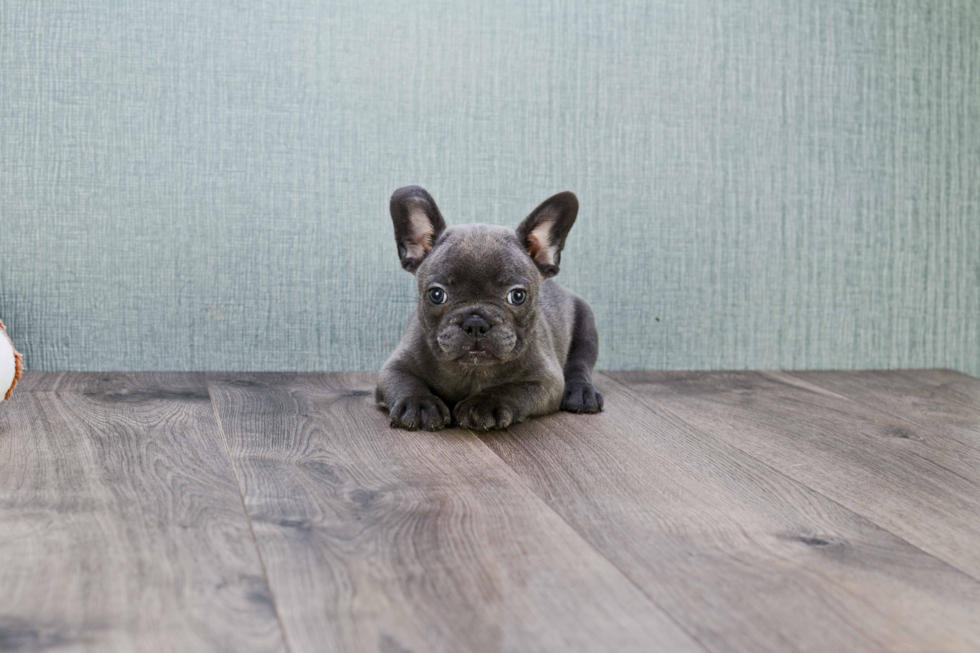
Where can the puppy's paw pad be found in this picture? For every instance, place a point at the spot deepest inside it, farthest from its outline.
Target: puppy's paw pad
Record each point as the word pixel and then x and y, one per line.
pixel 427 412
pixel 581 398
pixel 483 413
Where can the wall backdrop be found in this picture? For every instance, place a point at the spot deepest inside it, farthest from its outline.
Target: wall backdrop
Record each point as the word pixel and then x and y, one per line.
pixel 763 183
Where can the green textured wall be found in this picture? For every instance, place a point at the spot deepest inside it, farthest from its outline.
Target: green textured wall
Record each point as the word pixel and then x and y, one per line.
pixel 764 184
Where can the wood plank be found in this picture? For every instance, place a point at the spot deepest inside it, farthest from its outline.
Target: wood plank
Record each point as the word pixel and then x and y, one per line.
pixel 121 525
pixel 742 556
pixel 951 384
pixel 39 382
pixel 378 539
pixel 905 396
pixel 922 487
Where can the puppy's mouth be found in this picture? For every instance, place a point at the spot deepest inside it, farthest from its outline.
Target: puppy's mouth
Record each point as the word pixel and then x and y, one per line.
pixel 477 357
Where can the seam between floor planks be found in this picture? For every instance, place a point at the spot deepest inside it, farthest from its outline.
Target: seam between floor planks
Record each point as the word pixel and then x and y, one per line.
pixel 248 518
pixel 870 517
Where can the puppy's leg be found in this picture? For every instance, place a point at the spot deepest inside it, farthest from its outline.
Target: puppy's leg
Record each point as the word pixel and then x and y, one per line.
pixel 580 395
pixel 506 404
pixel 409 401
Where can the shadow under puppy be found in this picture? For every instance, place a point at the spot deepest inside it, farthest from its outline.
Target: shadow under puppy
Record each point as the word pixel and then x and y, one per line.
pixel 493 340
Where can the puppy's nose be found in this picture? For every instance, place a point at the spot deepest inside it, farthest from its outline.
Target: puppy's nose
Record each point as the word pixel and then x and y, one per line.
pixel 475 325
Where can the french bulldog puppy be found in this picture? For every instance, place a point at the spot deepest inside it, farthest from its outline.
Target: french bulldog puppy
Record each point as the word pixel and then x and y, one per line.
pixel 493 340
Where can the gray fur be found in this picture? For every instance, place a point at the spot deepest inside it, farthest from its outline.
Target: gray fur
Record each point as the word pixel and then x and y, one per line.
pixel 532 359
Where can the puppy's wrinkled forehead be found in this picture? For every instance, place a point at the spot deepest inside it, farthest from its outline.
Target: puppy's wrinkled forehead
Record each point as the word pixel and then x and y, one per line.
pixel 479 252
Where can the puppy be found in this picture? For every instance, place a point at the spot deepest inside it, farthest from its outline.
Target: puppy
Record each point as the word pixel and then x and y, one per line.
pixel 493 340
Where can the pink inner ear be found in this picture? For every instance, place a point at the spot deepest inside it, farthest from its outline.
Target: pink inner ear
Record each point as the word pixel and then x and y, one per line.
pixel 420 234
pixel 538 244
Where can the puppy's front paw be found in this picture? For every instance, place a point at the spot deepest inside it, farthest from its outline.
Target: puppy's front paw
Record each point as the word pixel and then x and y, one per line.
pixel 484 413
pixel 427 412
pixel 581 397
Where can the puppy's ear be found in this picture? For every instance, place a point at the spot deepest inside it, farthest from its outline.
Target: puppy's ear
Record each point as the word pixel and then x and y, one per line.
pixel 417 224
pixel 543 232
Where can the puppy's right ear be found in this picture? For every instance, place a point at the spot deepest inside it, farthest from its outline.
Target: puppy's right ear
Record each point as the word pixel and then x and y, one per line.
pixel 417 224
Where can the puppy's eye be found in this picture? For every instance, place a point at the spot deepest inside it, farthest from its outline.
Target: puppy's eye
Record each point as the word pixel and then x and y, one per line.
pixel 517 296
pixel 437 295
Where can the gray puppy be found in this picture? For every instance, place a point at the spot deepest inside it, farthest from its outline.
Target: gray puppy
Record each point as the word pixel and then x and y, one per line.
pixel 493 340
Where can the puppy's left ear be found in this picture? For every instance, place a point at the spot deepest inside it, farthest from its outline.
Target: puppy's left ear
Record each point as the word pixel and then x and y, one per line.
pixel 543 232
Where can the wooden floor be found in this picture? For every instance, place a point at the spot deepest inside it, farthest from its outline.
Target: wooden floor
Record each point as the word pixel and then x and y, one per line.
pixel 821 511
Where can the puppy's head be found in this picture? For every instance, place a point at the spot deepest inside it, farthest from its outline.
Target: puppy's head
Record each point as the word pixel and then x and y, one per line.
pixel 479 284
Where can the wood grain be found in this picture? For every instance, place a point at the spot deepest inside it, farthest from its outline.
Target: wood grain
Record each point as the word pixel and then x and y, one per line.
pixel 922 487
pixel 121 527
pixel 905 396
pixel 742 556
pixel 378 539
pixel 949 383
